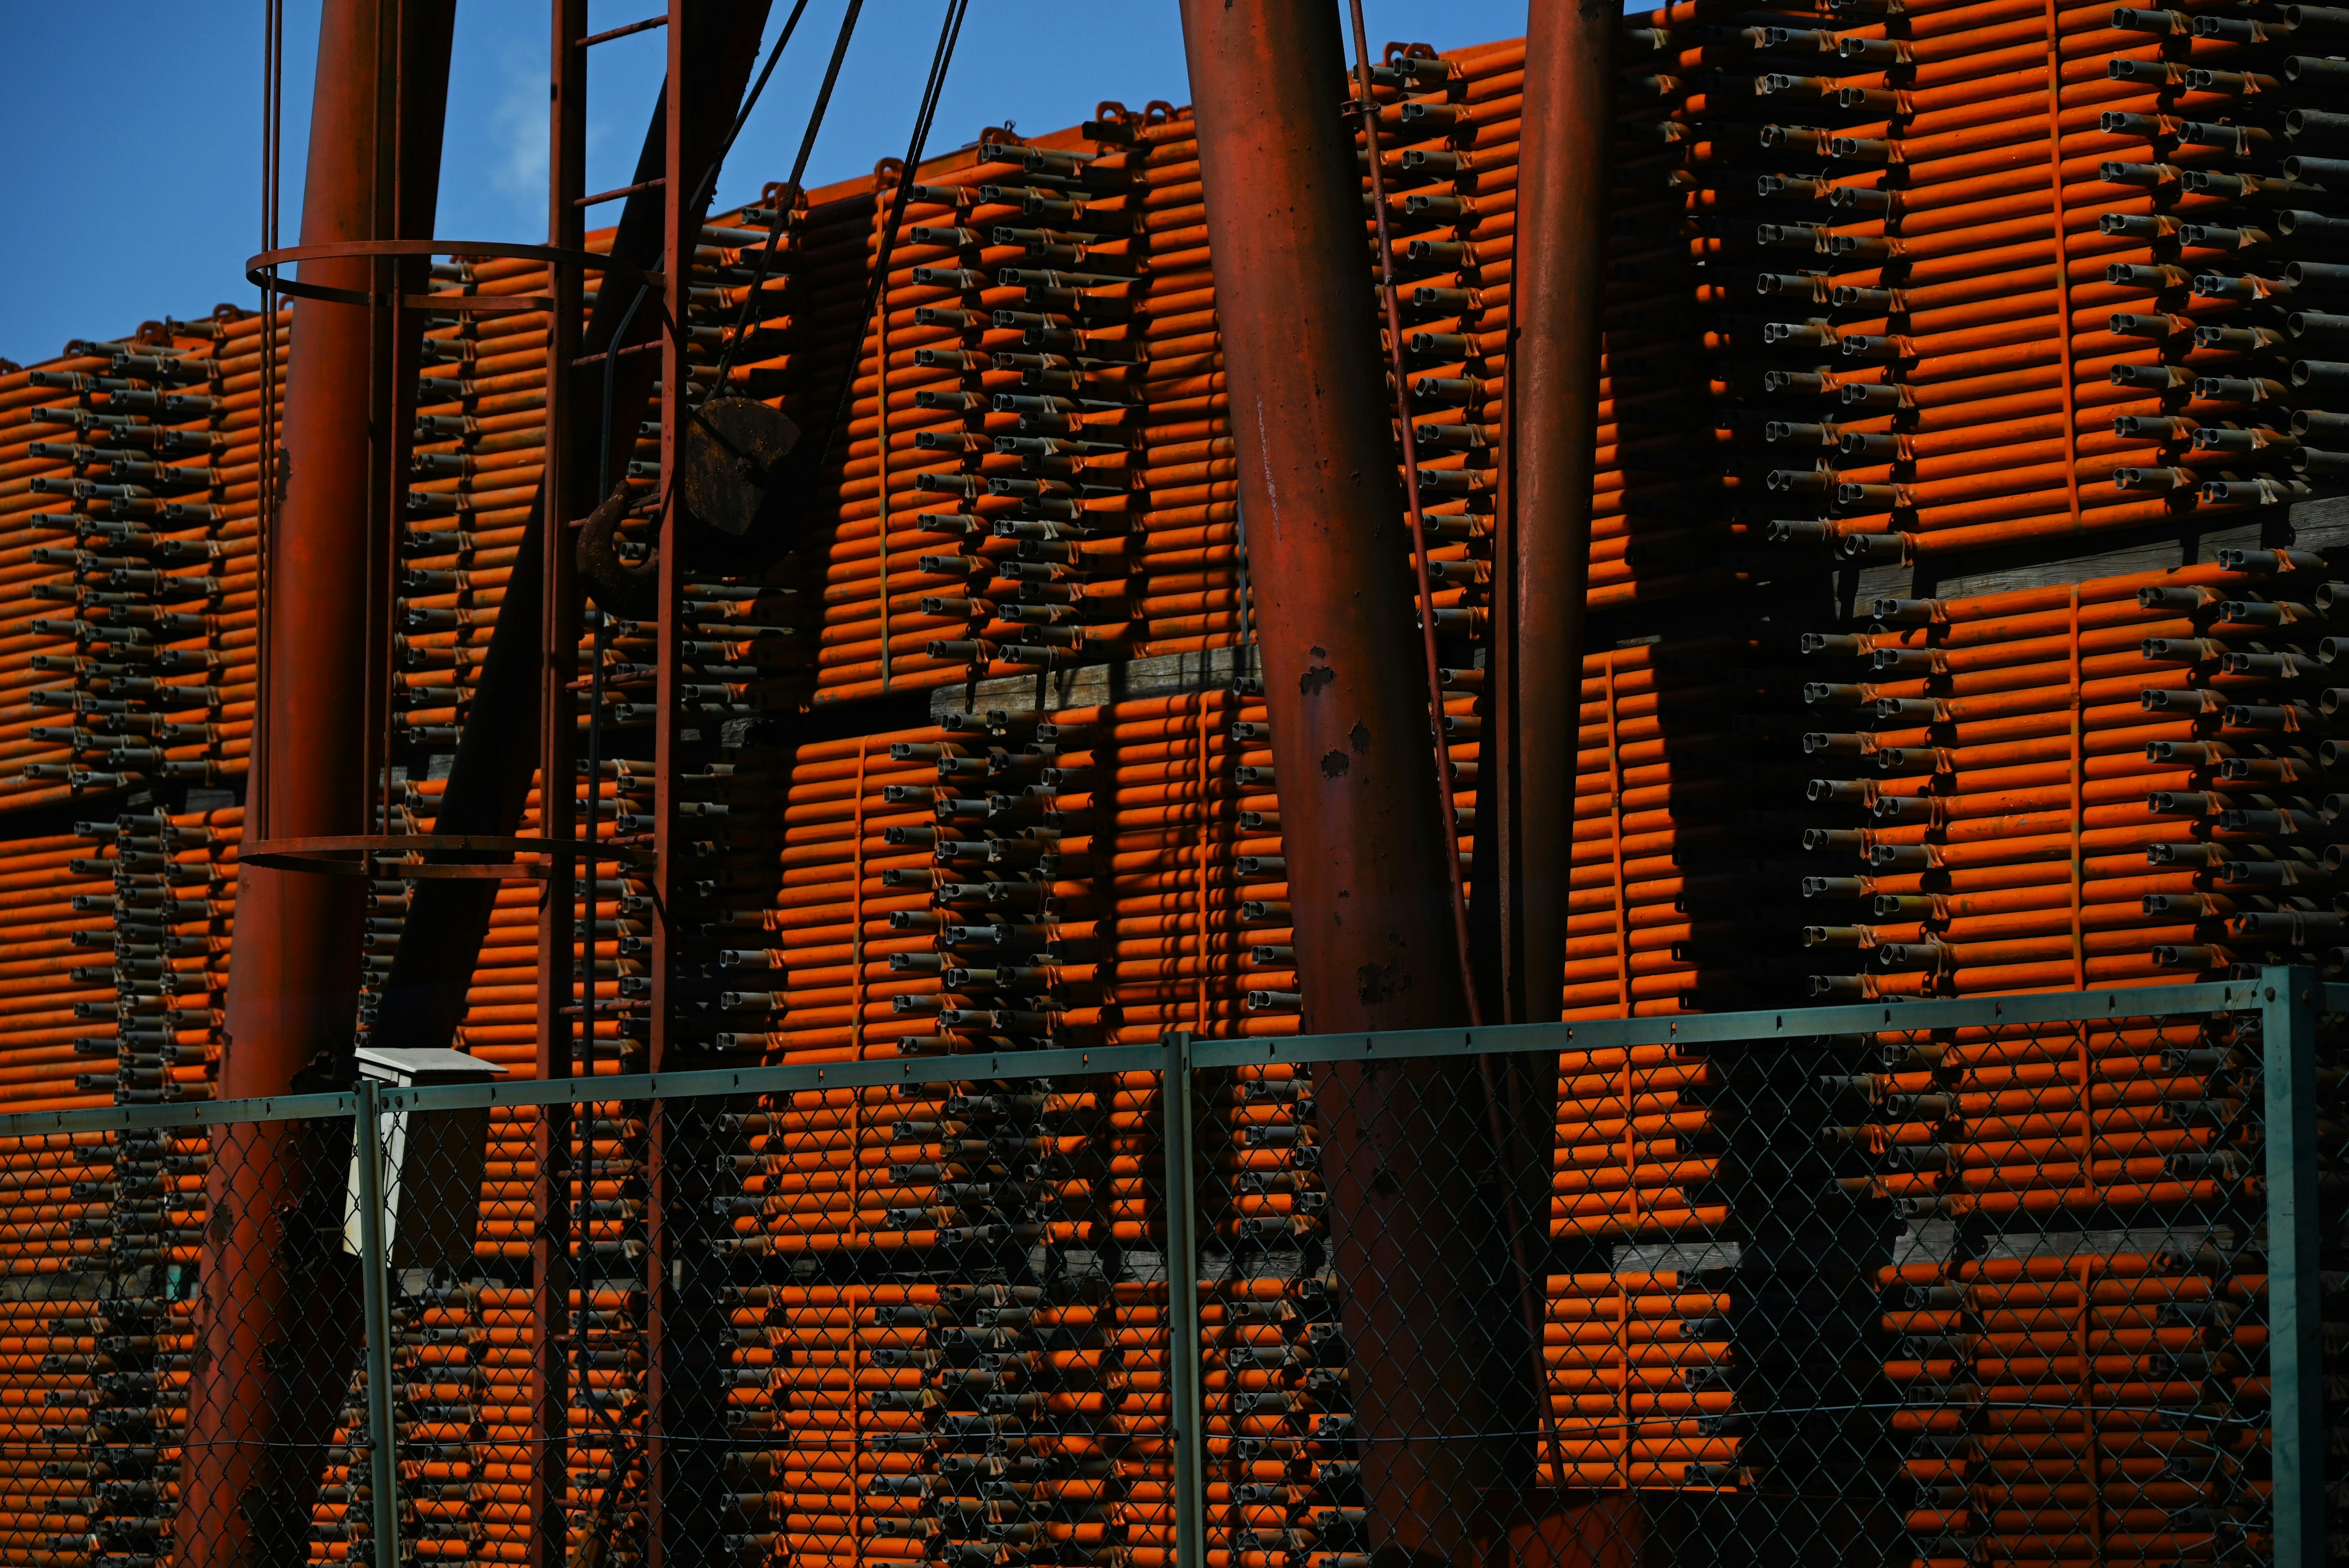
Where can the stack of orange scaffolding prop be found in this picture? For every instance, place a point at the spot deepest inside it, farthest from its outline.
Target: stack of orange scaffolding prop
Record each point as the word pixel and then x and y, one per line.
pixel 2000 275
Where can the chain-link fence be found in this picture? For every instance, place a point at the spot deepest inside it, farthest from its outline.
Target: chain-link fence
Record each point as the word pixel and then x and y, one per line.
pixel 181 1339
pixel 898 1312
pixel 2001 1281
pixel 2019 1279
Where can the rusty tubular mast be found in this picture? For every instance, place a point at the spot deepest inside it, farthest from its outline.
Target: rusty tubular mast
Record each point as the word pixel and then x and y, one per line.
pixel 1542 555
pixel 279 1319
pixel 1352 731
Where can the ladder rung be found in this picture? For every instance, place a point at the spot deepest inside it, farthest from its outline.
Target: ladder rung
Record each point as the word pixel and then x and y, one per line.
pixel 654 184
pixel 646 25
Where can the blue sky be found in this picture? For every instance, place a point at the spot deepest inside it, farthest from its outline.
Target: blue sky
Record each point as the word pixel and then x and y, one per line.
pixel 133 189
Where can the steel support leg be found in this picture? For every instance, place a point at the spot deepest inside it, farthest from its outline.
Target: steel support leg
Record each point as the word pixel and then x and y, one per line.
pixel 1186 1404
pixel 2288 1009
pixel 382 1374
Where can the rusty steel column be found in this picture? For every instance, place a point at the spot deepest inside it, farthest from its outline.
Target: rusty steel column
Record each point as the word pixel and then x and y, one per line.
pixel 278 1322
pixel 661 1292
pixel 1353 750
pixel 562 494
pixel 1542 557
pixel 1327 554
pixel 711 48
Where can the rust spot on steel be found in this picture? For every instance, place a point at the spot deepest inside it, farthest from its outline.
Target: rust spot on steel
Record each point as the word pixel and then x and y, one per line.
pixel 1317 482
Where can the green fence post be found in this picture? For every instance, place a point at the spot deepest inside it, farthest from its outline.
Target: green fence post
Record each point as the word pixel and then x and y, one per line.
pixel 375 1265
pixel 2288 998
pixel 1186 1404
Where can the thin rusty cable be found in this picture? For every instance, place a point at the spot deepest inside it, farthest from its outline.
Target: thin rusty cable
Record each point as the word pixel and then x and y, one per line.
pixel 1240 579
pixel 791 190
pixel 2078 804
pixel 1388 288
pixel 1206 901
pixel 2091 1427
pixel 583 1064
pixel 925 115
pixel 705 192
pixel 2065 377
pixel 881 413
pixel 381 553
pixel 273 93
pixel 708 186
pixel 1530 1296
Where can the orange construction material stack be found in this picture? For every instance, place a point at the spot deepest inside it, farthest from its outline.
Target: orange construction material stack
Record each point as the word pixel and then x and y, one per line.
pixel 2059 1386
pixel 480 435
pixel 2112 782
pixel 1188 822
pixel 1666 888
pixel 2051 1314
pixel 99 441
pixel 1092 851
pixel 1037 392
pixel 56 908
pixel 172 906
pixel 1448 134
pixel 2002 279
pixel 1923 292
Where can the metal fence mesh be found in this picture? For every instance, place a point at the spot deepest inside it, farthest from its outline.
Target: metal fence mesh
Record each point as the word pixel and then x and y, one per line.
pixel 1987 1294
pixel 1980 1295
pixel 179 1337
pixel 920 1322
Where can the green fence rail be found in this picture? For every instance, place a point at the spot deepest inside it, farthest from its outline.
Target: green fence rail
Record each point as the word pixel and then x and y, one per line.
pixel 1326 1510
